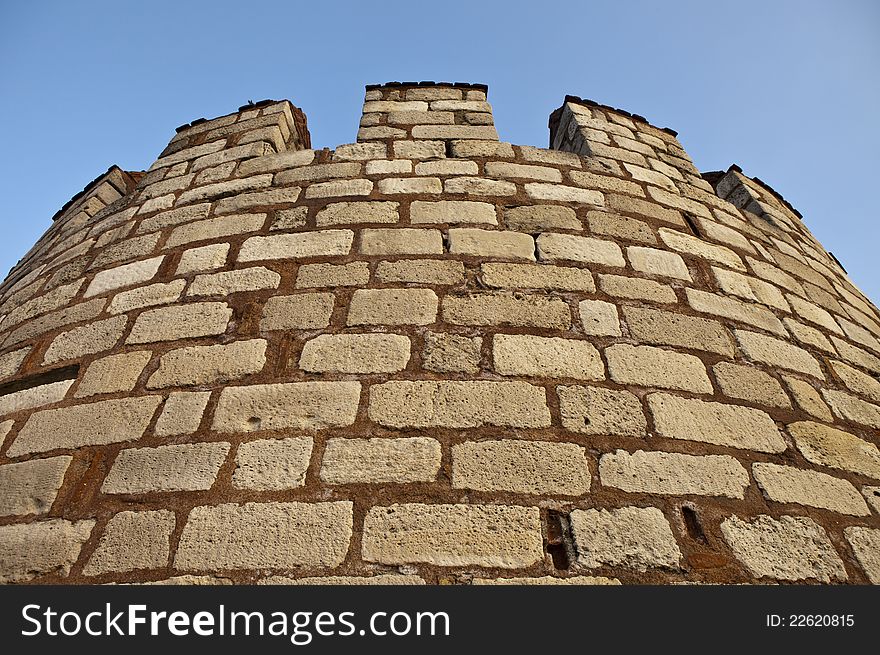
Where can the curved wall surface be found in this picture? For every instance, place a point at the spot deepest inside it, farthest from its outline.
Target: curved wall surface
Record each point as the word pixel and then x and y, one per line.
pixel 434 357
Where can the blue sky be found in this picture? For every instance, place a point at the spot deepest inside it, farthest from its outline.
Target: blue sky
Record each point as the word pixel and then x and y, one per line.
pixel 786 89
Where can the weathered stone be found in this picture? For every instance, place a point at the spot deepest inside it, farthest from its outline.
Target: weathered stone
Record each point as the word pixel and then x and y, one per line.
pixel 184 467
pixel 520 466
pixel 452 211
pixel 181 322
pixel 791 548
pixel 486 132
pixel 148 296
pixel 125 250
pixel 579 249
pixel 560 193
pixel 593 410
pixel 419 149
pixel 92 338
pixel 401 241
pixel 776 352
pixel 360 151
pixel 30 550
pixel 749 288
pixel 541 218
pixel 382 579
pixel 355 353
pixel 11 362
pixel 599 318
pixel 421 271
pixel 248 201
pixel 853 409
pixel 648 366
pixel 201 365
pixel 447 167
pixel 215 229
pixel 453 535
pixel 673 329
pixel 318 172
pixel 480 148
pixel 553 357
pixel 808 399
pixel 341 213
pixel 182 413
pixel 491 243
pixel 289 219
pixel 634 288
pixel 383 460
pixel 828 446
pixel 112 374
pixel 389 166
pixel 787 484
pixel 872 495
pixel 272 464
pixel 865 543
pixel 45 394
pixel 697 247
pixel 537 276
pixel 632 537
pixel 205 258
pixel 74 314
pixel 255 278
pixel 339 188
pixel 715 423
pixel 620 227
pixel 523 172
pixel 392 307
pixel 323 243
pixel 856 381
pixel 45 302
pixel 710 303
pixel 658 262
pixel 124 276
pixel 355 274
pixel 30 487
pixel 174 217
pixel 506 309
pixel 750 383
pixel 451 353
pixel 133 540
pixel 265 536
pixel 479 186
pixel 281 161
pixel 455 404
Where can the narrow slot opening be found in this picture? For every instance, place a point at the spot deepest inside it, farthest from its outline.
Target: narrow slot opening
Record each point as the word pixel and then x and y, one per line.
pixel 558 540
pixel 693 524
pixel 47 377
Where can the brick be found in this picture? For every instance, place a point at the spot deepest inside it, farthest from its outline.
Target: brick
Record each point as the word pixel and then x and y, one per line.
pixel 383 460
pixel 599 318
pixel 255 278
pixel 132 541
pixel 541 218
pixel 113 374
pixel 265 536
pixel 791 548
pixel 182 413
pixel 324 243
pixel 247 201
pixel 545 156
pixel 318 172
pixel 397 185
pixel 491 243
pixel 714 423
pixel 272 464
pixel 560 193
pixel 47 301
pixel 787 484
pixel 673 329
pixel 855 380
pixel 280 161
pixel 481 132
pixel 632 537
pixel 92 338
pixel 30 487
pixel 635 288
pixel 419 149
pixel 124 276
pixel 215 229
pixel 865 543
pixel 658 262
pixel 333 275
pixel 203 365
pixel 95 424
pixel 579 249
pixel 673 474
pixel 808 335
pixel 447 167
pixel 479 186
pixel 355 353
pixel 385 106
pixel 304 311
pixel 296 405
pixel 458 404
pixel 698 248
pixel 174 217
pixel 853 409
pixel 749 383
pixel 339 213
pixel 495 536
pixel 289 219
pixel 593 410
pixel 202 319
pixel 392 307
pixel 421 271
pixel 631 205
pixel 536 276
pixel 749 288
pixel 551 357
pixel 710 303
pixel 30 550
pixel 525 172
pixel 826 446
pixel 183 467
pixel 648 366
pixel 505 308
pixel 360 151
pixel 11 362
pixel 451 212
pixel 620 227
pixel 73 314
pixel 339 188
pixel 775 352
pixel 389 166
pixel 808 399
pixel 45 394
pixel 451 353
pixel 205 258
pixel 124 250
pixel 148 296
pixel 519 466
pixel 421 118
pixel 605 183
pixel 401 241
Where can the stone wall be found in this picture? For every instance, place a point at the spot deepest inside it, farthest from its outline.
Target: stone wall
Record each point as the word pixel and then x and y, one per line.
pixel 434 357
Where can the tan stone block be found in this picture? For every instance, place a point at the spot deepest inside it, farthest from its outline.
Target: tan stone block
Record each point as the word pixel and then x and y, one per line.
pixel 202 365
pixel 133 540
pixel 383 460
pixel 561 193
pixel 272 464
pixel 481 132
pixel 478 186
pixel 447 167
pixel 453 404
pixel 124 276
pixel 182 413
pixel 385 106
pixel 599 318
pixel 658 262
pixel 451 353
pixel 74 314
pixel 791 548
pixel 30 487
pixel 749 288
pixel 632 537
pixel 856 381
pixel 750 383
pixel 519 466
pixel 495 536
pixel 181 322
pixel 579 249
pixel 92 338
pixel 865 543
pixel 853 409
pixel 265 536
pixel 30 550
pixel 248 201
pixel 345 580
pixel 148 296
pixel 828 446
pixel 648 366
pixel 318 172
pixel 392 307
pixel 131 248
pixel 787 484
pixel 505 308
pixel 810 312
pixel 280 161
pixel 183 467
pixel 11 362
pixel 215 229
pixel 521 171
pixel 452 211
pixel 340 213
pixel 355 353
pixel 552 357
pixel 698 248
pixel 545 156
pixel 174 217
pixel 113 374
pixel 419 149
pixel 620 227
pixel 491 243
pixel 296 405
pixel 541 218
pixel 808 399
pixel 398 185
pixel 401 241
pixel 47 301
pixel 323 243
pixel 872 495
pixel 421 271
pixel 631 205
pixel 715 423
pixel 674 474
pixel 775 352
pixel 94 424
pixel 809 336
pixel 673 329
pixel 605 183
pixel 45 394
pixel 356 274
pixel 635 288
pixel 303 311
pixel 204 258
pixel 360 151
pixel 593 410
pixel 289 219
pixel 255 278
pixel 389 166
pixel 537 276
pixel 710 303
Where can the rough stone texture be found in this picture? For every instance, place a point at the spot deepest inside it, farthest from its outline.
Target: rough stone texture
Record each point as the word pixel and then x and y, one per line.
pixel 788 484
pixel 519 466
pixel 345 580
pixel 272 464
pixel 541 218
pixel 506 309
pixel 872 495
pixel 45 394
pixel 182 413
pixel 594 410
pixel 537 276
pixel 30 487
pixel 356 274
pixel 124 276
pixel 184 467
pixel 791 548
pixel 671 473
pixel 622 286
pixel 355 353
pixel 496 536
pixel 632 537
pixel 491 243
pixel 599 318
pixel 105 422
pixel 452 212
pixel 214 229
pixel 779 353
pixel 749 383
pixel 710 303
pixel 579 249
pixel 808 399
pixel 853 409
pixel 92 338
pixel 375 461
pixel 671 329
pixel 715 423
pixel 549 357
pixel 401 241
pixel 204 258
pixel 180 322
pixel 113 373
pixel 30 550
pixel 133 540
pixel 655 367
pixel 458 404
pixel 827 446
pixel 305 311
pixel 392 307
pixel 228 282
pixel 199 365
pixel 657 262
pixel 451 353
pixel 344 213
pixel 421 271
pixel 149 296
pixel 865 543
pixel 265 536
pixel 548 580
pixel 325 243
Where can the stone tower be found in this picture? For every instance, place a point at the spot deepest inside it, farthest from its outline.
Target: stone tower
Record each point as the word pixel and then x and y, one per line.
pixel 431 356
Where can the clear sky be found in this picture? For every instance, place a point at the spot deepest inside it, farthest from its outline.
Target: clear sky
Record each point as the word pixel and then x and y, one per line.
pixel 787 89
